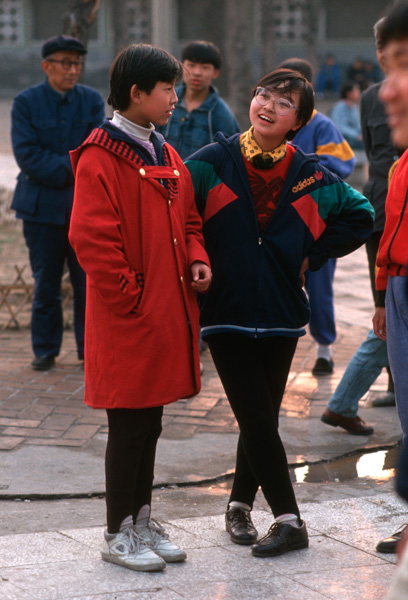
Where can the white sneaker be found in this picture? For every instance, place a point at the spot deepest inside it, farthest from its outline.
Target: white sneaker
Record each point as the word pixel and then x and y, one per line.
pixel 127 549
pixel 154 536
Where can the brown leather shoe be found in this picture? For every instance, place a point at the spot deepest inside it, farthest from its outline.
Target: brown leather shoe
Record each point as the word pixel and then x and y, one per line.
pixel 354 425
pixel 239 525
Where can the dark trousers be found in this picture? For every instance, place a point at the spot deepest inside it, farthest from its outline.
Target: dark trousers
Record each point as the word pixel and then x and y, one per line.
pixel 372 248
pixel 129 461
pixel 49 247
pixel 254 374
pixel 319 287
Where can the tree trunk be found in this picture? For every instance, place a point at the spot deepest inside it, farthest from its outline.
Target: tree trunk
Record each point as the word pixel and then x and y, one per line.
pixel 313 10
pixel 79 17
pixel 77 21
pixel 268 43
pixel 131 21
pixel 238 18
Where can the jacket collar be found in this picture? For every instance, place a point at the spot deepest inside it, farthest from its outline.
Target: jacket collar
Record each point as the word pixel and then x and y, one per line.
pixel 156 138
pixel 231 144
pixel 68 97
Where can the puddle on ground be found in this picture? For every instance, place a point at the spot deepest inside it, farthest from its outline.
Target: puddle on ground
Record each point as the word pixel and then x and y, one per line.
pixel 379 465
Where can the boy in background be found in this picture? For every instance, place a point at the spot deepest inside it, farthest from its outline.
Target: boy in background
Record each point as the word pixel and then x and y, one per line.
pixel 199 112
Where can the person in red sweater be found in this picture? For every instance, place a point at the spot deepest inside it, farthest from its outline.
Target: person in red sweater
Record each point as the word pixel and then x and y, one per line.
pixel 390 321
pixel 137 235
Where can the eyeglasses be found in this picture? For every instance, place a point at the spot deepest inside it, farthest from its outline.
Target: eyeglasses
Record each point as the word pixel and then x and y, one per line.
pixel 281 106
pixel 67 63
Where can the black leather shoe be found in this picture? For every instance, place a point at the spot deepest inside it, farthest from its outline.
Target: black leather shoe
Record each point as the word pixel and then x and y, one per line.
pixel 323 367
pixel 389 545
pixel 43 363
pixel 281 538
pixel 239 525
pixel 387 399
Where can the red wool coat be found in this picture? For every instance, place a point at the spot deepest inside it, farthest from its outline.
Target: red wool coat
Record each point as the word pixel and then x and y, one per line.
pixel 136 241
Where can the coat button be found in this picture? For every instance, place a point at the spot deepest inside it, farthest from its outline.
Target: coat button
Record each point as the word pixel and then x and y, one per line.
pixel 169 202
pixel 142 172
pixel 182 279
pixel 175 241
pixel 176 173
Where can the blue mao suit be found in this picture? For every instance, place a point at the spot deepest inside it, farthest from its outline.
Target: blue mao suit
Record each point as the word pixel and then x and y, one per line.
pixel 45 126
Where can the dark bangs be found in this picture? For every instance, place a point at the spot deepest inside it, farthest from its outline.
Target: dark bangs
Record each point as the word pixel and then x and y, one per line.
pixel 286 81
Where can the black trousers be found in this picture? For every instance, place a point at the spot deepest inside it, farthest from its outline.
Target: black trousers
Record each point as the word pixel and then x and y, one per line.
pixel 129 461
pixel 254 374
pixel 372 248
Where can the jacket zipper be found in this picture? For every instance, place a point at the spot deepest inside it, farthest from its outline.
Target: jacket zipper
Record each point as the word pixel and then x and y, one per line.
pixel 248 189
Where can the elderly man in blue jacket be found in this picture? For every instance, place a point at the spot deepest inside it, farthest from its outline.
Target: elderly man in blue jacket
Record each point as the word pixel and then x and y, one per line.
pixel 48 120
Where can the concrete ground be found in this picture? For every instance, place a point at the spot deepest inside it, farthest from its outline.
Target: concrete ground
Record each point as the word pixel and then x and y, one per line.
pixel 52 476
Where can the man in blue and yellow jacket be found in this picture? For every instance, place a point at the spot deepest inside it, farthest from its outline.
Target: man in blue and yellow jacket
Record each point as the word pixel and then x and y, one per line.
pixel 321 136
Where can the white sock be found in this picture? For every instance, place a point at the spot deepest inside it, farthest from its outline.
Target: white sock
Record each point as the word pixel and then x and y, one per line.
pixel 143 515
pixel 126 523
pixel 289 519
pixel 323 351
pixel 236 504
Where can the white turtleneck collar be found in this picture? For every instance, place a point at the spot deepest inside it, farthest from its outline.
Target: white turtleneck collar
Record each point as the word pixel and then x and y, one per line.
pixel 134 130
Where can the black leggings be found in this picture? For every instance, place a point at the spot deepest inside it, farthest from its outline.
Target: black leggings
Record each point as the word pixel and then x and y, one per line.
pixel 129 461
pixel 254 374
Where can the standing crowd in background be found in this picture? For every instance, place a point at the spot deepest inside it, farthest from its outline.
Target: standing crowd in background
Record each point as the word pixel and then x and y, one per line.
pixel 177 226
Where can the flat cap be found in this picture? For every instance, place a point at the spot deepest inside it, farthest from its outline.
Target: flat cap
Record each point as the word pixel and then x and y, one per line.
pixel 62 42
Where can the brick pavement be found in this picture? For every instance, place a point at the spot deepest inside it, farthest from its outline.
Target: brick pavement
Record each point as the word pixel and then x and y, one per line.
pixel 47 408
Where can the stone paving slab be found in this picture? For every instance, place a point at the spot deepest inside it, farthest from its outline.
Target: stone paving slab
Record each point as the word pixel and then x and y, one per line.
pixel 66 563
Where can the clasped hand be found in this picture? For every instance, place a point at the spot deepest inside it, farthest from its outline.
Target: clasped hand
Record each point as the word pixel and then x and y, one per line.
pixel 201 276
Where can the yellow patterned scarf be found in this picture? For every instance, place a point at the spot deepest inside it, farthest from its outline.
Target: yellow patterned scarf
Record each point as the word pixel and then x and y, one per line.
pixel 250 148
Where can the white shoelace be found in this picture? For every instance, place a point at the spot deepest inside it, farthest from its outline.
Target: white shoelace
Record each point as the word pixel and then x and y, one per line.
pixel 136 540
pixel 153 532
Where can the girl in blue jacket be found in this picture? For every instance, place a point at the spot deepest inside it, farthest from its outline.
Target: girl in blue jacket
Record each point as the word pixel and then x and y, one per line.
pixel 269 213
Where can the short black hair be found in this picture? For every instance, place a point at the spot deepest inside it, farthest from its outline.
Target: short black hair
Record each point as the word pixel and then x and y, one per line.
pixel 395 26
pixel 286 81
pixel 378 33
pixel 303 67
pixel 201 51
pixel 347 87
pixel 142 65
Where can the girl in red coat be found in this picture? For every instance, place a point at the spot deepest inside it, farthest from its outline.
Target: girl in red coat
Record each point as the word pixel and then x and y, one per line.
pixel 137 235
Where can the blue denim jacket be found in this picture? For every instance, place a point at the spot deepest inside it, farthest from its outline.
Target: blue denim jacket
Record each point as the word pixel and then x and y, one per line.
pixel 190 131
pixel 45 126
